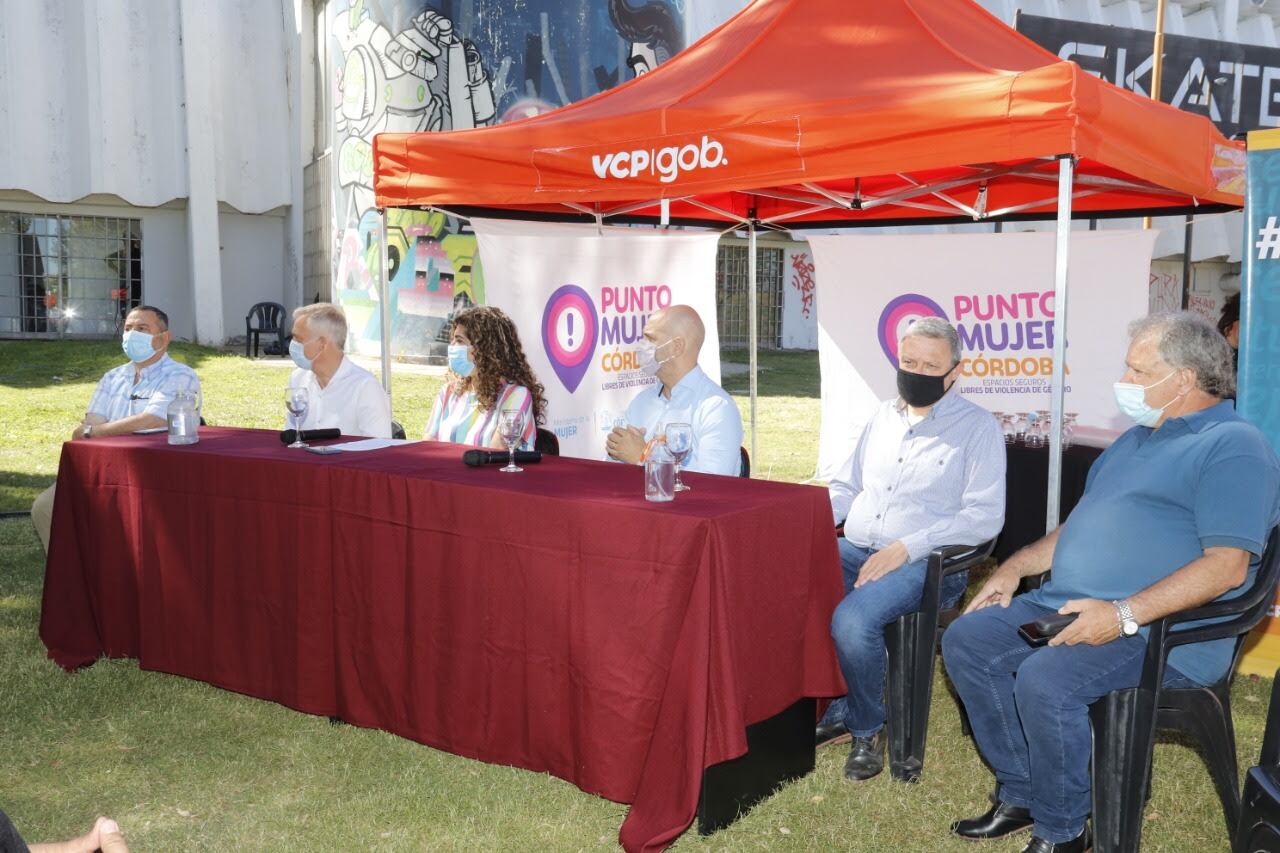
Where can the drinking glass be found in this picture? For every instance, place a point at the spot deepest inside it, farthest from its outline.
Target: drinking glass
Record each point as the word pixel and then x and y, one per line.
pixel 296 401
pixel 512 432
pixel 1045 418
pixel 1068 428
pixel 679 442
pixel 1020 425
pixel 1006 425
pixel 1035 430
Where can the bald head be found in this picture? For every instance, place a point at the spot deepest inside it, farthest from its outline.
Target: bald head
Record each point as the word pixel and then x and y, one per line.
pixel 680 321
pixel 678 333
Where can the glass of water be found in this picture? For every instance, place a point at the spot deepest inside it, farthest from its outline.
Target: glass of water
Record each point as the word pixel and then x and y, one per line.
pixel 512 432
pixel 679 442
pixel 296 401
pixel 1020 425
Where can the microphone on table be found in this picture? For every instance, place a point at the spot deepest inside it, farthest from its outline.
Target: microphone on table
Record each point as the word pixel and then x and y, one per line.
pixel 289 436
pixel 476 458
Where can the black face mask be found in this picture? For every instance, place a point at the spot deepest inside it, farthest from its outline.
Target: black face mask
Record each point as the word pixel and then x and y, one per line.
pixel 920 390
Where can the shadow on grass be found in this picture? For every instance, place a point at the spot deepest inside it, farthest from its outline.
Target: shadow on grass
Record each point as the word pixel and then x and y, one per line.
pixel 39 364
pixel 18 489
pixel 782 373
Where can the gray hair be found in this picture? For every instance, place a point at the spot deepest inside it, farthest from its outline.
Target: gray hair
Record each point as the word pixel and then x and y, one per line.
pixel 326 320
pixel 1188 341
pixel 938 329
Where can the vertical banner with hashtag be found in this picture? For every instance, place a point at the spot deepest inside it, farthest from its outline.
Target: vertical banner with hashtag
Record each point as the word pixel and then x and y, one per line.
pixel 1260 337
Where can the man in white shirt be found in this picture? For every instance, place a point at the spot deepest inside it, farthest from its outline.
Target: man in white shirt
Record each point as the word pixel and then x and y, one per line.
pixel 340 393
pixel 669 350
pixel 130 397
pixel 927 471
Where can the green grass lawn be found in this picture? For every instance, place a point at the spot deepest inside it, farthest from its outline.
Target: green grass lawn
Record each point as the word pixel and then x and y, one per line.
pixel 185 766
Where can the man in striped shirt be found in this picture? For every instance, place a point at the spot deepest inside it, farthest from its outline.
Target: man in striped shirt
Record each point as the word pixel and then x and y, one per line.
pixel 130 397
pixel 927 471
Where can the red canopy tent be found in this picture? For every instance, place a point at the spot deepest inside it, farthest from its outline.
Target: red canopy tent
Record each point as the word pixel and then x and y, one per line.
pixel 830 113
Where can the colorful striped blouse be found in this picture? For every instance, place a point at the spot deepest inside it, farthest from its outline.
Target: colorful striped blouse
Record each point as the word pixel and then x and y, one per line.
pixel 457 417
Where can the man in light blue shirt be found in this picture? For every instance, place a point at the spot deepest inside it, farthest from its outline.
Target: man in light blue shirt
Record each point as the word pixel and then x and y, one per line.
pixel 685 394
pixel 927 471
pixel 130 397
pixel 1175 514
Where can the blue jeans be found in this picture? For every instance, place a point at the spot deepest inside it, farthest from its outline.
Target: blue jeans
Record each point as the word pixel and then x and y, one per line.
pixel 1033 730
pixel 858 626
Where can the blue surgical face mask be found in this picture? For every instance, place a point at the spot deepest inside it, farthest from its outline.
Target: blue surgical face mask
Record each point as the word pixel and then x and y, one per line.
pixel 460 360
pixel 137 346
pixel 1132 400
pixel 297 352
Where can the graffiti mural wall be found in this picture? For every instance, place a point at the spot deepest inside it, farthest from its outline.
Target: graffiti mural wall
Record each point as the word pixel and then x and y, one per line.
pixel 409 66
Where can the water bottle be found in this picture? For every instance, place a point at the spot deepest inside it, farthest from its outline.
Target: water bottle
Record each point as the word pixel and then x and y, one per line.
pixel 659 473
pixel 184 419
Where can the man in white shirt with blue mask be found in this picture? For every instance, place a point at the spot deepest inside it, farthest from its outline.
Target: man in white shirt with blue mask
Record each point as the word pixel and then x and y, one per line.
pixel 131 397
pixel 340 393
pixel 669 350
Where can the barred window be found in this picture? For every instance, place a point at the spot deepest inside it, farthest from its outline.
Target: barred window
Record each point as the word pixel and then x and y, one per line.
pixel 67 275
pixel 732 289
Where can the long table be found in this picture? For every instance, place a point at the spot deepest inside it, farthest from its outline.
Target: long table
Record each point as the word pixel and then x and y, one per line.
pixel 552 620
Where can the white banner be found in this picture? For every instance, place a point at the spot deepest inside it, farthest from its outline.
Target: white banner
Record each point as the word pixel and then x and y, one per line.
pixel 580 296
pixel 997 289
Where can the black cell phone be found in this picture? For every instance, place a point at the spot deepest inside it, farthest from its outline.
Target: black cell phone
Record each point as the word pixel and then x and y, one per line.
pixel 1040 631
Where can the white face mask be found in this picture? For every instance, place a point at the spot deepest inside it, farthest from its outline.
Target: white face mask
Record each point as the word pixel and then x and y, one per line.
pixel 648 355
pixel 1132 400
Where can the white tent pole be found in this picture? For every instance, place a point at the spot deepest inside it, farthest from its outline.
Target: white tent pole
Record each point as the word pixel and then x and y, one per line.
pixel 1057 388
pixel 384 289
pixel 751 318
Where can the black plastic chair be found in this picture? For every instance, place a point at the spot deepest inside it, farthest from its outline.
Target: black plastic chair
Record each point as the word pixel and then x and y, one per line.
pixel 1125 721
pixel 265 318
pixel 744 467
pixel 545 441
pixel 1259 827
pixel 397 431
pixel 912 641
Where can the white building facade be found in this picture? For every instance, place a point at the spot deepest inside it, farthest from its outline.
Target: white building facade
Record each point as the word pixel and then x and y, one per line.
pixel 149 155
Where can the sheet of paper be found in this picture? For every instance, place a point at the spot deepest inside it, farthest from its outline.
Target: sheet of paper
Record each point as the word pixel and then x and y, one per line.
pixel 371 444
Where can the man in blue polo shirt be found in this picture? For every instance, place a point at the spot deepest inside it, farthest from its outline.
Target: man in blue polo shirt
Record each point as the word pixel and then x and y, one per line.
pixel 1175 514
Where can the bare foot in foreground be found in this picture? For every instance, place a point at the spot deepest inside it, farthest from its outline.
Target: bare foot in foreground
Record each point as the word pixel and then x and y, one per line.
pixel 104 836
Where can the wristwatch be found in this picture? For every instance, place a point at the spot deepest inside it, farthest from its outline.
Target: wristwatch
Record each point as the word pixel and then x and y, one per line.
pixel 88 431
pixel 1128 625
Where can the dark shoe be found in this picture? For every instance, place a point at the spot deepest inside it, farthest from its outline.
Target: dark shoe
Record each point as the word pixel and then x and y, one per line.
pixel 1079 844
pixel 829 733
pixel 866 757
pixel 1000 820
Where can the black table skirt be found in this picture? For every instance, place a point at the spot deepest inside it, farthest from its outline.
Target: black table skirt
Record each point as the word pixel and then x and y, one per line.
pixel 1027 485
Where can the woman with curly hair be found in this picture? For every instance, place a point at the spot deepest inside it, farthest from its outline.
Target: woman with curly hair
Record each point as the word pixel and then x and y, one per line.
pixel 488 375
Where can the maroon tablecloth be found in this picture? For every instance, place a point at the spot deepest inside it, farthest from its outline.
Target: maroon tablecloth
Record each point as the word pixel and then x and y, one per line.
pixel 552 620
